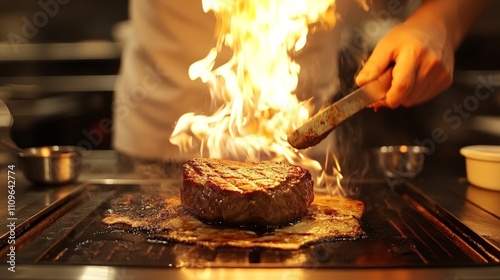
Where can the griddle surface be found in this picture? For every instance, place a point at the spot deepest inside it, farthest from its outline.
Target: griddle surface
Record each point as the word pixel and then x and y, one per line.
pixel 400 233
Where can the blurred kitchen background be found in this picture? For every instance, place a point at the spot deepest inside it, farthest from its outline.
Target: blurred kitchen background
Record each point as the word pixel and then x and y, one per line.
pixel 59 60
pixel 59 81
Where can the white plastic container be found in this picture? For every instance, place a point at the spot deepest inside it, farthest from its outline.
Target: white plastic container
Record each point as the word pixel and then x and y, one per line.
pixel 482 163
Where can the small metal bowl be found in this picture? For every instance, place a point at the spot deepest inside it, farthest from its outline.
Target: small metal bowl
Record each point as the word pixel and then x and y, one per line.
pixel 51 165
pixel 401 161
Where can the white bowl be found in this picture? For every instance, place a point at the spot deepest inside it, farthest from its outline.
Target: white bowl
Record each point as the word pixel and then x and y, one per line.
pixel 487 199
pixel 482 163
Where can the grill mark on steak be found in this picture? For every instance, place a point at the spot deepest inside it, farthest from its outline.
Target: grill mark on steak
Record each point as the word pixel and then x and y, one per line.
pixel 240 176
pixel 264 193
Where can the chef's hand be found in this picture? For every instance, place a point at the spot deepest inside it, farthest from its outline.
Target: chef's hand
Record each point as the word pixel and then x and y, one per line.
pixel 422 50
pixel 423 64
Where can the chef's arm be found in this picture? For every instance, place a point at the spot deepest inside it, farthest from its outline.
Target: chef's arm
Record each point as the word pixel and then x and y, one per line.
pixel 422 49
pixel 455 16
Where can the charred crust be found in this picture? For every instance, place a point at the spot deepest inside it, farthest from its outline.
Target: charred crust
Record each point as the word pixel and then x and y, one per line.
pixel 264 193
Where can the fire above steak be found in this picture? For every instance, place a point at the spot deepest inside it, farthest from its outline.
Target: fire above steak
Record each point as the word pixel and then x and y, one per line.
pixel 264 193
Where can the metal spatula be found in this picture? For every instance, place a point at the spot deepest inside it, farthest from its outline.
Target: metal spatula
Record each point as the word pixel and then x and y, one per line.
pixel 320 125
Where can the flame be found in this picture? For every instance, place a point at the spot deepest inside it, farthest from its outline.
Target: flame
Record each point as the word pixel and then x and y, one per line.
pixel 254 89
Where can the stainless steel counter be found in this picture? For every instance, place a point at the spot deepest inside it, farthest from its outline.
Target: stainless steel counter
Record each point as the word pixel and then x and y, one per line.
pixel 477 208
pixel 131 273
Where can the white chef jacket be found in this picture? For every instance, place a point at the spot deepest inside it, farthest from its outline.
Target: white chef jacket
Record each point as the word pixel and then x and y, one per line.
pixel 153 89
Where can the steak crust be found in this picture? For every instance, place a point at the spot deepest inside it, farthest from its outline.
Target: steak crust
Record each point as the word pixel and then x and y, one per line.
pixel 264 193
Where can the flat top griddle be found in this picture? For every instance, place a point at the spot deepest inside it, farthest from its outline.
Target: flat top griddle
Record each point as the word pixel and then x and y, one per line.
pixel 404 229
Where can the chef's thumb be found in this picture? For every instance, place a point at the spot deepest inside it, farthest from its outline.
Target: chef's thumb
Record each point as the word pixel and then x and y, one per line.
pixel 375 66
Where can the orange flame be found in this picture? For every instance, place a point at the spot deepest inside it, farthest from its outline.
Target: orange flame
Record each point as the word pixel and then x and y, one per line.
pixel 254 89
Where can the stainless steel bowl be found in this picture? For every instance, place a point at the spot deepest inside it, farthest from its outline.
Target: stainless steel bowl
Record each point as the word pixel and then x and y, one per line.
pixel 51 164
pixel 401 161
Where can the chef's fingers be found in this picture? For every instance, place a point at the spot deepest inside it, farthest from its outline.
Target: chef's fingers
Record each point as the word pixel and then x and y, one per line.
pixel 432 78
pixel 377 105
pixel 441 78
pixel 423 82
pixel 403 78
pixel 438 81
pixel 376 64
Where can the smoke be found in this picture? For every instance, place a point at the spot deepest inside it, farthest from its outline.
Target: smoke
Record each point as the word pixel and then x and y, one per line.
pixel 362 27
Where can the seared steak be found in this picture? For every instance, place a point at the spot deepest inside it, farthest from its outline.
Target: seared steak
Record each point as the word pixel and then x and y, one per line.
pixel 234 192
